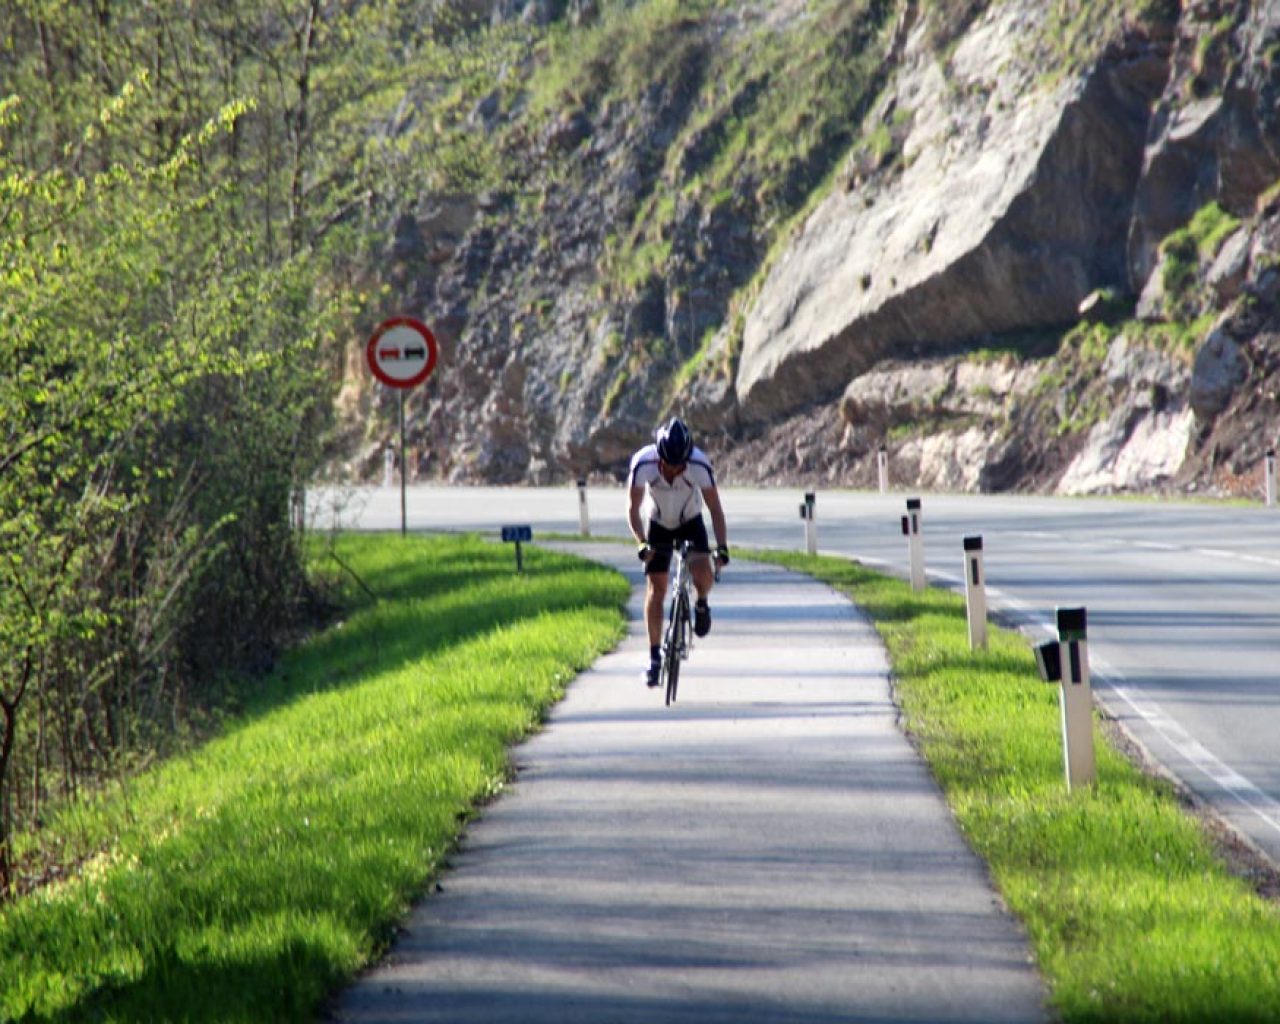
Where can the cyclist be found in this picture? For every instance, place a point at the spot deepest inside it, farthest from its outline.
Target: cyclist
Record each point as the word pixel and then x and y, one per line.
pixel 670 482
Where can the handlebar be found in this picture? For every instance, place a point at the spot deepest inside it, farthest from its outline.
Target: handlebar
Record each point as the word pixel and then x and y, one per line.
pixel 685 550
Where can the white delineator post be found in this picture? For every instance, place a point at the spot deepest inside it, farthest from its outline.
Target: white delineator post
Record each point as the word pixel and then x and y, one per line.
pixel 810 523
pixel 388 467
pixel 915 543
pixel 1270 470
pixel 1067 662
pixel 975 593
pixel 882 469
pixel 584 522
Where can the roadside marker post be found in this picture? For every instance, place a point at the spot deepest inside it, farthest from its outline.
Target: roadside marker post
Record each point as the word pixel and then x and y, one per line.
pixel 518 535
pixel 915 543
pixel 882 470
pixel 584 521
pixel 1271 477
pixel 388 466
pixel 975 593
pixel 810 524
pixel 1067 662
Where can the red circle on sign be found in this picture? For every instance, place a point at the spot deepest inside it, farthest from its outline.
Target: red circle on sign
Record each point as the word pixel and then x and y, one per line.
pixel 402 352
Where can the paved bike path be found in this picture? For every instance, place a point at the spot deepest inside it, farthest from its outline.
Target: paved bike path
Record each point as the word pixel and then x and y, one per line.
pixel 770 848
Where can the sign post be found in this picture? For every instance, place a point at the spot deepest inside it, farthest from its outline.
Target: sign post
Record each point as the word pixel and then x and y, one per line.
pixel 517 535
pixel 401 353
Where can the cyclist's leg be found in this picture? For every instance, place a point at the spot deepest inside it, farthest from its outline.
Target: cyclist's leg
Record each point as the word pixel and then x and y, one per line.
pixel 695 531
pixel 654 595
pixel 704 577
pixel 655 589
pixel 657 575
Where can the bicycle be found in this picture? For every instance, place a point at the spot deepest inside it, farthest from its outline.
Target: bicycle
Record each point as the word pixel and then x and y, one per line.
pixel 677 638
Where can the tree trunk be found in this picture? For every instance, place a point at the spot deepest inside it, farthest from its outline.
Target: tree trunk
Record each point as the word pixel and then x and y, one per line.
pixel 306 39
pixel 9 709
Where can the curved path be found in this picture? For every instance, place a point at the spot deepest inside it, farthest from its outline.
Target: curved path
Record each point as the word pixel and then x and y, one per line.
pixel 770 848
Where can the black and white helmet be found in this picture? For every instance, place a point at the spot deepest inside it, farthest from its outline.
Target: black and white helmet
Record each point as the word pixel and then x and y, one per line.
pixel 675 443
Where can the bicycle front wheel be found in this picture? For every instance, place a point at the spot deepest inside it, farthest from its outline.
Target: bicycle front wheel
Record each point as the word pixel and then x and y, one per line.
pixel 671 670
pixel 674 652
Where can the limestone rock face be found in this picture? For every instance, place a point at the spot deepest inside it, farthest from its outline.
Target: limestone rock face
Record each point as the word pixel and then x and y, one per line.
pixel 1012 206
pixel 1130 452
pixel 1230 267
pixel 1219 369
pixel 1215 132
pixel 1143 441
pixel 897 393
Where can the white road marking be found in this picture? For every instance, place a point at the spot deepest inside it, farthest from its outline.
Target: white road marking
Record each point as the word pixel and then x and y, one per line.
pixel 1193 751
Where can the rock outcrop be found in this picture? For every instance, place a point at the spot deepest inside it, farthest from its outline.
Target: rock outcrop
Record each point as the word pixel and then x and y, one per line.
pixel 1011 207
pixel 1142 440
pixel 1216 131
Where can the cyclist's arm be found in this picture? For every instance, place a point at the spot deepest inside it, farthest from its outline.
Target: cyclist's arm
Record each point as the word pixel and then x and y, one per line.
pixel 633 514
pixel 711 497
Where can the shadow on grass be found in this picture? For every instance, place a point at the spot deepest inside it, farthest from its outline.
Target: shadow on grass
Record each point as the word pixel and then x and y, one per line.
pixel 174 989
pixel 397 569
pixel 1018 667
pixel 420 612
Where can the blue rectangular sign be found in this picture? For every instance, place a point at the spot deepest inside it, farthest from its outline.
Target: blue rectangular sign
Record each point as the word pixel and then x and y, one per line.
pixel 510 533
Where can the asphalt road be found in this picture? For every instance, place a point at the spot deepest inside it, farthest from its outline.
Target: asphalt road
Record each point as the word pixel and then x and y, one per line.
pixel 768 849
pixel 1184 622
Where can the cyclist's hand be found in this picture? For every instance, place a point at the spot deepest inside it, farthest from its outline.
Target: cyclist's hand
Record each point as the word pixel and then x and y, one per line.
pixel 644 553
pixel 722 554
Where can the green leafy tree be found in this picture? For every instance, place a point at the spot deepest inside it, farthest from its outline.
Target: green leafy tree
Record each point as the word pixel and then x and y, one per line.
pixel 162 398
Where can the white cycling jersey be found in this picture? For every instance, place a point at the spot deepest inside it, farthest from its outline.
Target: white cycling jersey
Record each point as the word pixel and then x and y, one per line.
pixel 670 504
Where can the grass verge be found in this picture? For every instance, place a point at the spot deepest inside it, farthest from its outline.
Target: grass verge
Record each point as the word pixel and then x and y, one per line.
pixel 247 881
pixel 1131 914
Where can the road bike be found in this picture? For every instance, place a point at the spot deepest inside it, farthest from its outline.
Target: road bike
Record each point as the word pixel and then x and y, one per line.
pixel 677 638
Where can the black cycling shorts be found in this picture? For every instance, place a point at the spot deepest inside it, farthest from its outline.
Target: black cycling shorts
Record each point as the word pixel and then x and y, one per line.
pixel 663 541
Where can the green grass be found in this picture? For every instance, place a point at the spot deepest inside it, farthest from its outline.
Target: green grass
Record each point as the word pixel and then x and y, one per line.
pixel 247 881
pixel 1131 915
pixel 1189 250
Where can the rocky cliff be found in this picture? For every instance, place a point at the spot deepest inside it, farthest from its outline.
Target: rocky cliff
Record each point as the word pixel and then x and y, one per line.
pixel 1016 244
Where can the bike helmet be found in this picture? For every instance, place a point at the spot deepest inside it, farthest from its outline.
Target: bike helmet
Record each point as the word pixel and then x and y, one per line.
pixel 675 443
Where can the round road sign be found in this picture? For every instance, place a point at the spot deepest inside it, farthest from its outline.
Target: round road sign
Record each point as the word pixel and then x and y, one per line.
pixel 402 352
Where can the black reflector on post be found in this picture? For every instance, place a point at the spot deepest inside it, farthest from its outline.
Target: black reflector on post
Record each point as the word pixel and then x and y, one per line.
pixel 1049 661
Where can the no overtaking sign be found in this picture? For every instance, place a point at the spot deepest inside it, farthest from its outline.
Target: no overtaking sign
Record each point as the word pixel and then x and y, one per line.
pixel 402 352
